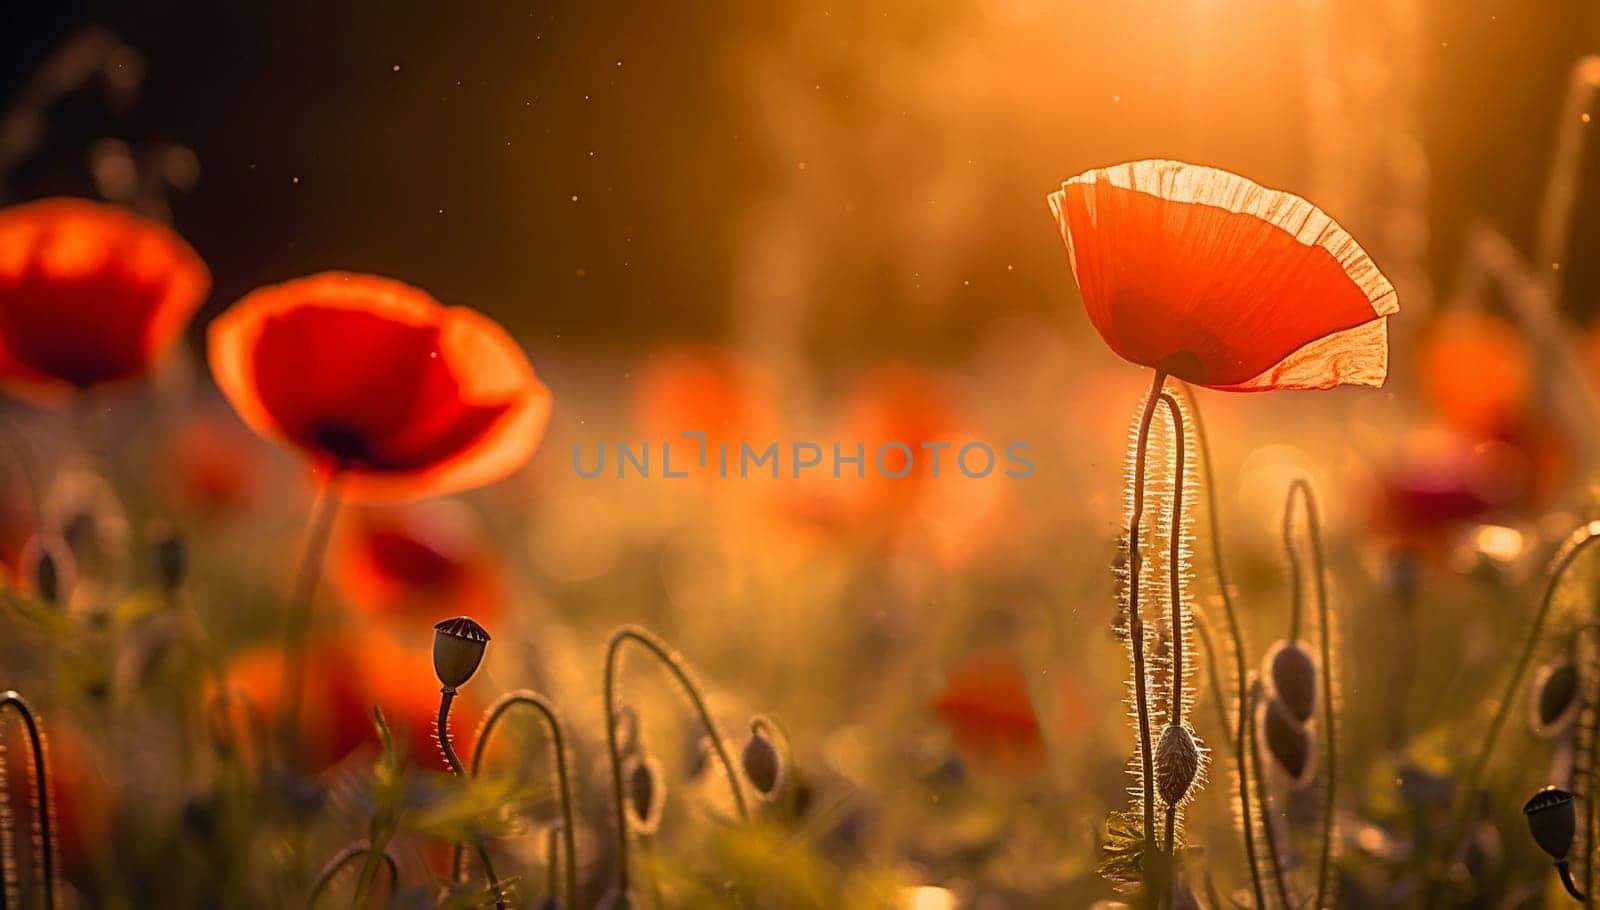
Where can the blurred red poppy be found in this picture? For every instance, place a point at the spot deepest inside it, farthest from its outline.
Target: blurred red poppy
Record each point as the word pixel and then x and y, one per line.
pixel 216 470
pixel 985 704
pixel 418 564
pixel 345 677
pixel 89 294
pixel 379 384
pixel 1475 370
pixel 703 389
pixel 1221 282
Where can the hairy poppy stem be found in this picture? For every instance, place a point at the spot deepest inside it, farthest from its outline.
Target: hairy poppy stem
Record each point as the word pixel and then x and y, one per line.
pixel 298 626
pixel 1147 771
pixel 685 679
pixel 1569 551
pixel 1330 736
pixel 343 858
pixel 1267 830
pixel 447 695
pixel 558 751
pixel 43 822
pixel 1175 589
pixel 1241 671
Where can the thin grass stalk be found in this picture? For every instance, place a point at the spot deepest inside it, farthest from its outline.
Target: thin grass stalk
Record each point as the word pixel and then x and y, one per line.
pixel 1136 621
pixel 44 824
pixel 1267 830
pixel 1578 541
pixel 1219 692
pixel 685 678
pixel 447 696
pixel 1330 737
pixel 340 860
pixel 1241 669
pixel 558 750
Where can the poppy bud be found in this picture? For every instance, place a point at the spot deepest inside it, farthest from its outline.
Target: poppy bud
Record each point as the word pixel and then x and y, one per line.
pixel 169 558
pixel 1293 672
pixel 50 568
pixel 1553 820
pixel 458 646
pixel 646 792
pixel 1288 742
pixel 1177 764
pixel 763 765
pixel 1555 698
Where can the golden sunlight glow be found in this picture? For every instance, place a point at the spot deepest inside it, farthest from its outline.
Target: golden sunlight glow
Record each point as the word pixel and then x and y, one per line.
pixel 927 897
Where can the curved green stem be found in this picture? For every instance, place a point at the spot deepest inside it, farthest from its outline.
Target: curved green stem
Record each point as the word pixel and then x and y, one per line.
pixel 41 789
pixel 685 679
pixel 1267 830
pixel 336 864
pixel 1575 544
pixel 1330 735
pixel 1241 668
pixel 1141 697
pixel 447 695
pixel 558 751
pixel 297 627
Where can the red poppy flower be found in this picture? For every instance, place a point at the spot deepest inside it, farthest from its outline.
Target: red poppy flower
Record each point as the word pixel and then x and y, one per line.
pixel 706 390
pixel 379 384
pixel 420 563
pixel 1221 282
pixel 985 703
pixel 89 294
pixel 1476 372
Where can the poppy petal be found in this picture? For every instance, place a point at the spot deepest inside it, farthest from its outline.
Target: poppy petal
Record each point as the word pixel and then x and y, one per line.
pixel 1222 282
pixel 89 294
pixel 372 378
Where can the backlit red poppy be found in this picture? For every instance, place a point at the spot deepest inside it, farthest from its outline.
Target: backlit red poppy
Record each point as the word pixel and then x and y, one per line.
pixel 1221 282
pixel 89 294
pixel 380 384
pixel 986 706
pixel 1476 371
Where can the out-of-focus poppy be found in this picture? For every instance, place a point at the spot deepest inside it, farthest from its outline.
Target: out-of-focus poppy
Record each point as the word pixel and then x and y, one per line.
pixel 345 677
pixel 706 390
pixel 1221 282
pixel 986 706
pixel 418 564
pixel 1437 480
pixel 89 294
pixel 215 468
pixel 1475 371
pixel 397 395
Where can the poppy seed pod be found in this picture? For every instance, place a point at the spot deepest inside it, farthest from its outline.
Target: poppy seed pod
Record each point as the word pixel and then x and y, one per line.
pixel 1553 821
pixel 169 558
pixel 1555 698
pixel 763 765
pixel 458 646
pixel 1293 672
pixel 646 791
pixel 1288 742
pixel 1177 763
pixel 50 568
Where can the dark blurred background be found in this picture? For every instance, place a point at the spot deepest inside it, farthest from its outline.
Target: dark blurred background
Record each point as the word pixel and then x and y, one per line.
pixel 602 174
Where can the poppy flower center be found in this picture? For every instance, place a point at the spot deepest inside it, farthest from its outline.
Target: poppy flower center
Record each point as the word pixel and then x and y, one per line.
pixel 348 447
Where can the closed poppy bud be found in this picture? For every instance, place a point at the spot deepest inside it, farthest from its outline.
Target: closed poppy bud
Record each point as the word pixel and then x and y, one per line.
pixel 646 791
pixel 458 646
pixel 763 765
pixel 1287 741
pixel 1553 820
pixel 168 557
pixel 1555 698
pixel 1177 764
pixel 1293 672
